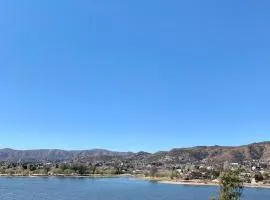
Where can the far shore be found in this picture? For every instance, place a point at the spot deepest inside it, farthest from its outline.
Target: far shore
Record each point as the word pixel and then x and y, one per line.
pixel 194 182
pixel 197 183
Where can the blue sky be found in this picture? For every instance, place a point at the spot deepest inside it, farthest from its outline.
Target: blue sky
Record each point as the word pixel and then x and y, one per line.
pixel 133 75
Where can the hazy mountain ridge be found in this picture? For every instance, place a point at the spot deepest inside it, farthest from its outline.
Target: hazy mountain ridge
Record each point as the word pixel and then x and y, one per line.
pixel 55 154
pixel 253 151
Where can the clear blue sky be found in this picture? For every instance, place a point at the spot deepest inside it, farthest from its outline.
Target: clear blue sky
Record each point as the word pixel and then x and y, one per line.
pixel 134 75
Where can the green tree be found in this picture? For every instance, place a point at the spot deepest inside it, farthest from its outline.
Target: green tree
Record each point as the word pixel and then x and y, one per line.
pixel 153 171
pixel 266 176
pixel 173 174
pixel 231 185
pixel 80 169
pixel 258 177
pixel 31 167
pixel 64 166
pixel 92 169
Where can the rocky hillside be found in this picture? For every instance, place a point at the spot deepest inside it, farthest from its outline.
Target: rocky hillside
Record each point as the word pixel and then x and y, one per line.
pixel 217 154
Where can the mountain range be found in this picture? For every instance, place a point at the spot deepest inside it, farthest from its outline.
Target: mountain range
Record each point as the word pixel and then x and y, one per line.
pixel 218 154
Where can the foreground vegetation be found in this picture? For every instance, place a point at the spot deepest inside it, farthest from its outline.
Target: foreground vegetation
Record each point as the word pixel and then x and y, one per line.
pixel 231 185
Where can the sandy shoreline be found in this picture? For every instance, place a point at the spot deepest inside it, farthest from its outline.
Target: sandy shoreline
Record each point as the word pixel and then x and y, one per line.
pixel 197 183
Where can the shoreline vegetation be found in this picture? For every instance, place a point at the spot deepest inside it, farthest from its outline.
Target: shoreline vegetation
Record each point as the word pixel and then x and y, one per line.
pixel 195 182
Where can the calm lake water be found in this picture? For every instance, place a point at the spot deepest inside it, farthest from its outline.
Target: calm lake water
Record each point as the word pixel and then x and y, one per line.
pixel 108 189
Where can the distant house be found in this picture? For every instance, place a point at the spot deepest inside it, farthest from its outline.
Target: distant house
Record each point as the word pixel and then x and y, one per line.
pixel 234 164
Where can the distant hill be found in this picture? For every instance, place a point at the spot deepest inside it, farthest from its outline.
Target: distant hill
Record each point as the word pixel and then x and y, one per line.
pixel 56 154
pixel 216 154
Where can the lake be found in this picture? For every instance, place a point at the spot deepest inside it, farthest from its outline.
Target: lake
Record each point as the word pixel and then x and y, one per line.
pixel 51 188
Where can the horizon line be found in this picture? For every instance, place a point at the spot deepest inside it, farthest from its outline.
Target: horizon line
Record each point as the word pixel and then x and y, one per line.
pixel 128 151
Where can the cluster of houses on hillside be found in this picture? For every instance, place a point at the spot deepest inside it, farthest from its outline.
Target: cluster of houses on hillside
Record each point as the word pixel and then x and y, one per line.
pixel 253 170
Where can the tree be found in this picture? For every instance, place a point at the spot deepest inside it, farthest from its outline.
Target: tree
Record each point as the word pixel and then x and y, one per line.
pixel 47 168
pixel 117 168
pixel 63 167
pixel 231 185
pixel 265 176
pixel 68 171
pixel 153 171
pixel 80 169
pixel 258 177
pixel 31 167
pixel 173 174
pixel 92 169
